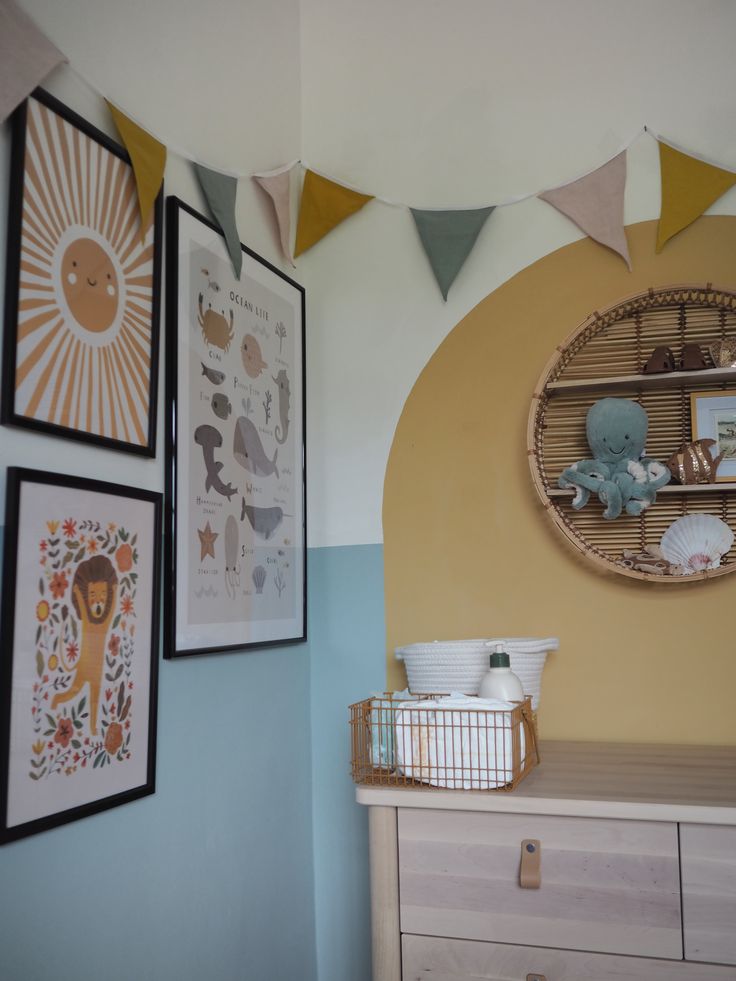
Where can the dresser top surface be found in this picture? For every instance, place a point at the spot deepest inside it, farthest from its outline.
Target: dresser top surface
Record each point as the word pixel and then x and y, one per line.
pixel 634 781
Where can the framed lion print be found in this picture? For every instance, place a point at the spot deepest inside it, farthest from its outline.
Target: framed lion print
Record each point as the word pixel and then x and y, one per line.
pixel 82 285
pixel 236 516
pixel 79 657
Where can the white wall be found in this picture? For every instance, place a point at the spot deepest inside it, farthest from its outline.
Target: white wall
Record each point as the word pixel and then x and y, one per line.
pixel 220 80
pixel 463 104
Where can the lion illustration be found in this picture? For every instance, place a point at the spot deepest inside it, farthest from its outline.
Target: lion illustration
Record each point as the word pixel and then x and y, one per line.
pixel 94 592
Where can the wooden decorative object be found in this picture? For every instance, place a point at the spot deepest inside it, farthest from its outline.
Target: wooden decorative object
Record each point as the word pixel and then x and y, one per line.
pixel 604 356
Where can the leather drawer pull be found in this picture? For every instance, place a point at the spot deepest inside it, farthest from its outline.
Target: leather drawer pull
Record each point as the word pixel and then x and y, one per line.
pixel 530 869
pixel 536 977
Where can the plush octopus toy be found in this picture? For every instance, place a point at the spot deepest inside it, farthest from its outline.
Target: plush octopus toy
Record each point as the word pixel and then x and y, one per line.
pixel 623 479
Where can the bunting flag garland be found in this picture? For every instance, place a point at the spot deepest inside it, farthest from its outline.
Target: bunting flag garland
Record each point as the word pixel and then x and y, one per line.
pixel 26 57
pixel 220 191
pixel 324 206
pixel 448 238
pixel 595 203
pixel 148 158
pixel 278 188
pixel 689 187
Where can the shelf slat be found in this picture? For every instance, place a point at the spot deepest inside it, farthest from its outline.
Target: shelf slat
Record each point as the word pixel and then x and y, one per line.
pixel 669 379
pixel 723 487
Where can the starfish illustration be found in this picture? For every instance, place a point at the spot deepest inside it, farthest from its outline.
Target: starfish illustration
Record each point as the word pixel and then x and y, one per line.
pixel 207 541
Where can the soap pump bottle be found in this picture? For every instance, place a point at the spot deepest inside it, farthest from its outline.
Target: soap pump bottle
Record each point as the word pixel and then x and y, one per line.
pixel 499 681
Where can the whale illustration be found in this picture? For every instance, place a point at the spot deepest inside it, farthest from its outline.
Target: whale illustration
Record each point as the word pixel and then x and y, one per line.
pixel 263 521
pixel 210 439
pixel 248 449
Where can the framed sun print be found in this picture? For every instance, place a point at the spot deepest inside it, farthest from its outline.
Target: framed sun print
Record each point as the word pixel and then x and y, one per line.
pixel 713 416
pixel 82 285
pixel 236 497
pixel 79 658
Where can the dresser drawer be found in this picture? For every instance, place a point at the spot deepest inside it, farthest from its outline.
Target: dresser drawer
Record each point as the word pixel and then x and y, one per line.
pixel 708 855
pixel 435 959
pixel 608 886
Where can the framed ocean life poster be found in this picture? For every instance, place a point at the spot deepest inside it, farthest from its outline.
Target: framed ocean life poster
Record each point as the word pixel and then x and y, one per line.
pixel 236 506
pixel 82 285
pixel 79 658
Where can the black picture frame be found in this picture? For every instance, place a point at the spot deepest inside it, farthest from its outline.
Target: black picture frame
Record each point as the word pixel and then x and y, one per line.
pixel 64 753
pixel 196 260
pixel 93 379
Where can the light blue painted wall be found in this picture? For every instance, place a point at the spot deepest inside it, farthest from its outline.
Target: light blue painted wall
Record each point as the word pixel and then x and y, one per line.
pixel 211 877
pixel 253 825
pixel 347 653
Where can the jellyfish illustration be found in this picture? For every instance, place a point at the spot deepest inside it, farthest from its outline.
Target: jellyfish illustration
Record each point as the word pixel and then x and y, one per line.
pixel 232 569
pixel 259 578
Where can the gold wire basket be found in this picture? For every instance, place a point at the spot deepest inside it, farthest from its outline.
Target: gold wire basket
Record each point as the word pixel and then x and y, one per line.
pixel 422 742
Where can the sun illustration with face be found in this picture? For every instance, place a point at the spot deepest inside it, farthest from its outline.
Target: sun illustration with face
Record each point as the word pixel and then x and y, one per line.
pixel 85 305
pixel 90 284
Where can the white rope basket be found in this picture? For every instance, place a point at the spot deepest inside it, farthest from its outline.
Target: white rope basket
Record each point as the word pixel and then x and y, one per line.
pixel 459 665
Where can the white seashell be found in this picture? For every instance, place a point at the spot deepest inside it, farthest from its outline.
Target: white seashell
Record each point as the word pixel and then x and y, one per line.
pixel 696 542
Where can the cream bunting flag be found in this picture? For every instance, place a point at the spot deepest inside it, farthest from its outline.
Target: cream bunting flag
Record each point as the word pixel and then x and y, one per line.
pixel 448 238
pixel 26 57
pixel 220 191
pixel 689 187
pixel 278 188
pixel 596 204
pixel 323 206
pixel 148 158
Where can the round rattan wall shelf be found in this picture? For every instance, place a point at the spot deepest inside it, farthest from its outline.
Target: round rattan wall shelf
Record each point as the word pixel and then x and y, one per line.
pixel 602 357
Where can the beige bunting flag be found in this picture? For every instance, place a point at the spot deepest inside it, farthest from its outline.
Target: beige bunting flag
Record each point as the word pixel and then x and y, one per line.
pixel 148 158
pixel 324 205
pixel 278 188
pixel 26 57
pixel 596 204
pixel 689 187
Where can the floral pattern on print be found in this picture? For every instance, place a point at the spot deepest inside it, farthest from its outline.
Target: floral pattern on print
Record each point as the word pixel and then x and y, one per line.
pixel 63 740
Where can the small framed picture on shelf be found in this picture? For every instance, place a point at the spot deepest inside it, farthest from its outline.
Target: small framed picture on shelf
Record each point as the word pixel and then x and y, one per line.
pixel 236 517
pixel 80 354
pixel 79 649
pixel 713 416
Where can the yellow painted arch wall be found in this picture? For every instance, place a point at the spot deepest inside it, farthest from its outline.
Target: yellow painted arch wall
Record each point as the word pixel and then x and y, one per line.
pixel 469 552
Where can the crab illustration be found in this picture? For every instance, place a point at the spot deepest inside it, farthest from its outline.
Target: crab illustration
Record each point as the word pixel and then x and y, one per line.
pixel 215 328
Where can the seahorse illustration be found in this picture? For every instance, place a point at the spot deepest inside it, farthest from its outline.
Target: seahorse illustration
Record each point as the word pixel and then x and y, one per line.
pixel 282 381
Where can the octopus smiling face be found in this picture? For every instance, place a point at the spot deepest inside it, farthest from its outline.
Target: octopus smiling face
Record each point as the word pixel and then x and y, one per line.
pixel 90 284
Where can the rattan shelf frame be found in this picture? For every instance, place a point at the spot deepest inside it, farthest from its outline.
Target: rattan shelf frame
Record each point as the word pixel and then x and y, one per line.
pixel 604 354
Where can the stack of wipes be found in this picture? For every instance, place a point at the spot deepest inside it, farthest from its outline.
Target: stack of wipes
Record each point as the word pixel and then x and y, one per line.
pixel 382 726
pixel 469 748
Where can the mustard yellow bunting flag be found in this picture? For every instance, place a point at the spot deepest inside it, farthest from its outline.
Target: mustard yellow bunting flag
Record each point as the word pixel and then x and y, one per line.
pixel 148 158
pixel 324 205
pixel 689 187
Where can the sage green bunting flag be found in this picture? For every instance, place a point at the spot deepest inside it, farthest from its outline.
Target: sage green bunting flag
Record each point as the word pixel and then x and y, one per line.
pixel 220 191
pixel 448 238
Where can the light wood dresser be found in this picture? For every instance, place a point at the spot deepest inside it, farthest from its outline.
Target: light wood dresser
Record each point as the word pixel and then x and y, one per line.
pixel 638 871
